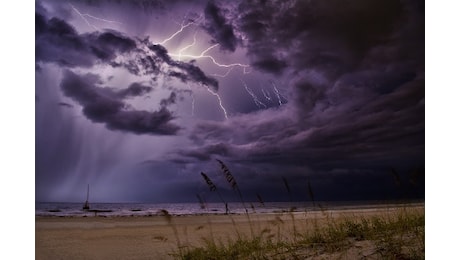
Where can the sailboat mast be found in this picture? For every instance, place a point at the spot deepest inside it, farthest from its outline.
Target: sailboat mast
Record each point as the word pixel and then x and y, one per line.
pixel 86 206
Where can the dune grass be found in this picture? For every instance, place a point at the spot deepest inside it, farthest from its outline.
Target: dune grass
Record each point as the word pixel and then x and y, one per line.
pixel 396 234
pixel 399 235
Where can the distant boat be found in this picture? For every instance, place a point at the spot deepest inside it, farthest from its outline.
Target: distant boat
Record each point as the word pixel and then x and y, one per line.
pixel 86 206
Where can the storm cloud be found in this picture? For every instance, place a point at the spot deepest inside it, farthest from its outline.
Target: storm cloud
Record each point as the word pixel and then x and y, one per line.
pixel 101 105
pixel 218 27
pixel 356 94
pixel 192 72
pixel 332 36
pixel 58 42
pixel 342 85
pixel 133 90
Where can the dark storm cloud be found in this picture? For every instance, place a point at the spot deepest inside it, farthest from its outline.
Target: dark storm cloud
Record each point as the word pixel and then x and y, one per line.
pixel 107 44
pixel 217 26
pixel 333 36
pixel 102 105
pixel 192 72
pixel 57 41
pixel 270 64
pixel 351 74
pixel 207 152
pixel 160 51
pixel 178 75
pixel 387 131
pixel 197 75
pixel 169 101
pixel 148 6
pixel 134 90
pixel 356 90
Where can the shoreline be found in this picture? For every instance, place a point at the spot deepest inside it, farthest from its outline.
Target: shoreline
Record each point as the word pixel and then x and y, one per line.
pixel 56 213
pixel 156 237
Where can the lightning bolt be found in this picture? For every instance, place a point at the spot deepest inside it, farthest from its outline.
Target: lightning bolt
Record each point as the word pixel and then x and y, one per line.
pixel 278 94
pixel 92 17
pixel 176 33
pixel 218 99
pixel 266 94
pixel 183 26
pixel 254 97
pixel 187 46
pixel 223 75
pixel 83 17
pixel 101 19
pixel 180 55
pixel 202 55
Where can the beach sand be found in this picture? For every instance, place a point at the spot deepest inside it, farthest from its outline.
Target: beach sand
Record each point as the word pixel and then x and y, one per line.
pixel 154 237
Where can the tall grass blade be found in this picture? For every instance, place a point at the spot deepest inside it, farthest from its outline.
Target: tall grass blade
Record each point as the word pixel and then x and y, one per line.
pixel 227 174
pixel 211 185
pixel 261 201
pixel 231 180
pixel 286 184
pixel 200 199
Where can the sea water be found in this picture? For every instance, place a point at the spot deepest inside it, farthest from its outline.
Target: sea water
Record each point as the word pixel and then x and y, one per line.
pixel 60 209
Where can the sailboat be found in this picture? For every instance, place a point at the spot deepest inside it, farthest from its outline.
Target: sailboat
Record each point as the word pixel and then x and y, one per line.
pixel 86 206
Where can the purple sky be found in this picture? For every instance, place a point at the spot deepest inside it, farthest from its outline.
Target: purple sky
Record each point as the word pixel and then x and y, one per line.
pixel 136 98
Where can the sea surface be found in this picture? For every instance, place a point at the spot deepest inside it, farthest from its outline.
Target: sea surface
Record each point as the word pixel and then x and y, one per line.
pixel 59 209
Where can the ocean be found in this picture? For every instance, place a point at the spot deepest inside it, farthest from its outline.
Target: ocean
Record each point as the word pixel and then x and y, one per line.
pixel 59 209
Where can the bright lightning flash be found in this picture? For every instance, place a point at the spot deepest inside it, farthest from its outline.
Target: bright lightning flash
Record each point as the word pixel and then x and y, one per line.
pixel 203 55
pixel 182 27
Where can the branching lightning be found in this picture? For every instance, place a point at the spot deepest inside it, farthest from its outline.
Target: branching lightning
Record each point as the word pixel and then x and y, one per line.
pixel 83 17
pixel 202 55
pixel 188 46
pixel 92 17
pixel 181 55
pixel 182 27
pixel 254 97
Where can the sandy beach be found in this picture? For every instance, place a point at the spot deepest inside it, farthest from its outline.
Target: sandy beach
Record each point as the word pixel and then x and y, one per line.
pixel 156 237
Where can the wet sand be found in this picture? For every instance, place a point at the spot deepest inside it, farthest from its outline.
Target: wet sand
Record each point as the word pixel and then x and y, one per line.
pixel 157 237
